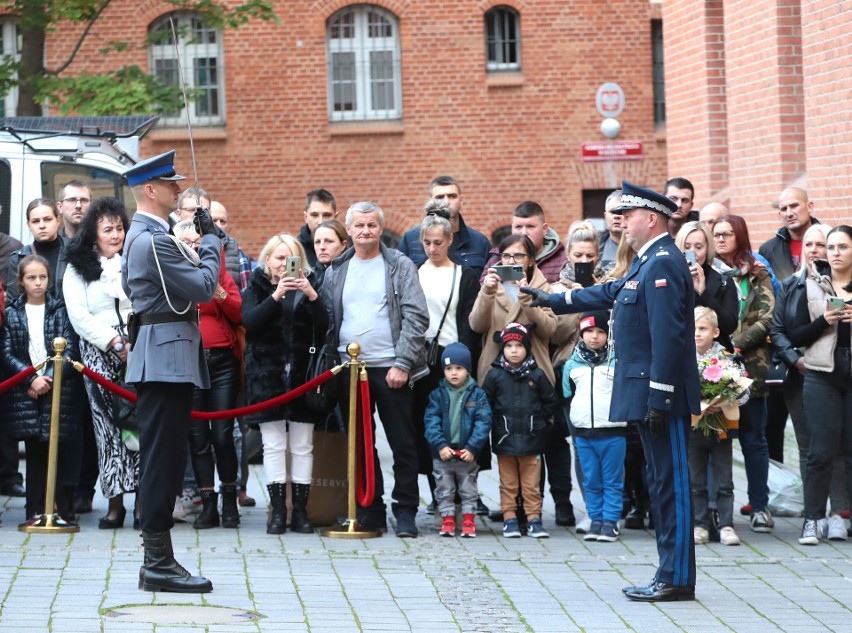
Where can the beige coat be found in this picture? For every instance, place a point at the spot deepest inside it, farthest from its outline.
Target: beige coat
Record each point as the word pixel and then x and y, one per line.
pixel 491 313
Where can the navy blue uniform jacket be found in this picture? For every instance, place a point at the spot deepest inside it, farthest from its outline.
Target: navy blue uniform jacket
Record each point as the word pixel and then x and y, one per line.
pixel 653 329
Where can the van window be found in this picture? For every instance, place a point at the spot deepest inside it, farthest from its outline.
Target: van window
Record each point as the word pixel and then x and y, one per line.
pixel 102 182
pixel 5 195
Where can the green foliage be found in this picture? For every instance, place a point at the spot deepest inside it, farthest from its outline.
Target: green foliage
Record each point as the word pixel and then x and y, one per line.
pixel 128 90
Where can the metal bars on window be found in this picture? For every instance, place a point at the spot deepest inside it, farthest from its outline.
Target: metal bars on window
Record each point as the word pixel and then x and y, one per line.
pixel 502 39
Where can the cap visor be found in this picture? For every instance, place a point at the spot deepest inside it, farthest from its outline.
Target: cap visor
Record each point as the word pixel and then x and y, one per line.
pixel 175 177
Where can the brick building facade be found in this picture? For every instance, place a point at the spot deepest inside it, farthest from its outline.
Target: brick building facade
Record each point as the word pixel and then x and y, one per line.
pixel 759 99
pixel 508 134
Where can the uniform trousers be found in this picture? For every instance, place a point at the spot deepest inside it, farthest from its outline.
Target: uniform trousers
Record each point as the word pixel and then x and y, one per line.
pixel 667 473
pixel 162 411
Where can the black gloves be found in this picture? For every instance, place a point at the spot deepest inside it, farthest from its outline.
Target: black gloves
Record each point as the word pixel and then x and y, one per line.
pixel 540 298
pixel 203 222
pixel 657 421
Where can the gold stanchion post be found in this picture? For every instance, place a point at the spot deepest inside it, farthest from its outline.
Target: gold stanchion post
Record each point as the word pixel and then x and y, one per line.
pixel 50 522
pixel 351 528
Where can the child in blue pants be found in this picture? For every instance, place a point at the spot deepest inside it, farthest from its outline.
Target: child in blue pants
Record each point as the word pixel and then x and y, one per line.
pixel 601 444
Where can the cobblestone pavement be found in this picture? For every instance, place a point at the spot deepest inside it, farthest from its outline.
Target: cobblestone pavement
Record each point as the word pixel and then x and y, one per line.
pixel 88 581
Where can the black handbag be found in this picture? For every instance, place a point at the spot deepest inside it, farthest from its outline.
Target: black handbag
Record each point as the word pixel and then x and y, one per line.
pixel 433 350
pixel 321 399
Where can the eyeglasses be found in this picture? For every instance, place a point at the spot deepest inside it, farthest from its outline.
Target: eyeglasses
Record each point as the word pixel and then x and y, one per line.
pixel 192 243
pixel 723 236
pixel 76 201
pixel 517 258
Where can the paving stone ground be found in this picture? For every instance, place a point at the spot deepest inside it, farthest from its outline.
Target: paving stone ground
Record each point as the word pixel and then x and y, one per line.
pixel 312 584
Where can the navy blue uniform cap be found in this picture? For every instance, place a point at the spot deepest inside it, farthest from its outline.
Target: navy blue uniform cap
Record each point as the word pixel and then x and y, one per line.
pixel 635 197
pixel 160 167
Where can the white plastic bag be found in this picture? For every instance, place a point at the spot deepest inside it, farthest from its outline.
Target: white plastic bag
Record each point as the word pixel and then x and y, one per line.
pixel 785 490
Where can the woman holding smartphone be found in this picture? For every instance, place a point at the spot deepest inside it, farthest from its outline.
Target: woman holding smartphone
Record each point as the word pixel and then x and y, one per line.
pixel 823 326
pixel 283 316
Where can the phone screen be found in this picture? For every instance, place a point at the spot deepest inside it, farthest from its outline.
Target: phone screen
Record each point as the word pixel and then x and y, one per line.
pixel 583 273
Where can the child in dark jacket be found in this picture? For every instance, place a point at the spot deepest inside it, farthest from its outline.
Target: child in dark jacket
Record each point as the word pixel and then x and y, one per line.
pixel 523 403
pixel 457 422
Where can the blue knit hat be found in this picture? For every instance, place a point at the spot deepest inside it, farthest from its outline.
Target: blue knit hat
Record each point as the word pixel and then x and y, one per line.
pixel 457 354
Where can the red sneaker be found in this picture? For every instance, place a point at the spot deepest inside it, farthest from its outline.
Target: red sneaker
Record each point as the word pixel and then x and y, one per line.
pixel 448 527
pixel 746 510
pixel 468 526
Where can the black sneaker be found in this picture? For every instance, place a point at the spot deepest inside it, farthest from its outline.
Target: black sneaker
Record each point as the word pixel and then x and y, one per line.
pixel 565 515
pixel 405 525
pixel 482 509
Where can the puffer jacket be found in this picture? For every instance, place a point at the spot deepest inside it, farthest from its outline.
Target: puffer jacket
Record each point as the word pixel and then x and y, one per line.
pixel 589 387
pixel 475 419
pixel 25 418
pixel 279 335
pixel 522 409
pixel 409 317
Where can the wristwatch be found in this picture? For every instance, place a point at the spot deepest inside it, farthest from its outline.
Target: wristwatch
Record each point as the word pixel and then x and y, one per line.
pixel 221 295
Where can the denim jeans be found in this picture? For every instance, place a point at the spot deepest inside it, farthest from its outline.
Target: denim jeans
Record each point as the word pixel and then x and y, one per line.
pixel 829 394
pixel 752 435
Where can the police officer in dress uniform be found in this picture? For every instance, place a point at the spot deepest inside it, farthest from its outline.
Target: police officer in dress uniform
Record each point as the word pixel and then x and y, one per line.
pixel 656 376
pixel 165 282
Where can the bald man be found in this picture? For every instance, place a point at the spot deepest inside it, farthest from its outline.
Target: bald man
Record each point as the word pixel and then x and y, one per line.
pixel 784 251
pixel 711 212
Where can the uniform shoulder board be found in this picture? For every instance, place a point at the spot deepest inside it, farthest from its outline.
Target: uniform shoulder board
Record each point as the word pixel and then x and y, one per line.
pixel 662 253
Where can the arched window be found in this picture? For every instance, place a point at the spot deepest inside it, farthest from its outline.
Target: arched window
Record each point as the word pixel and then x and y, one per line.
pixel 502 39
pixel 201 57
pixel 364 76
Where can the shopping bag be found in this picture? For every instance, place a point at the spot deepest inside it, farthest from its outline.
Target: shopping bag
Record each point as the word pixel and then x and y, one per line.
pixel 785 490
pixel 329 491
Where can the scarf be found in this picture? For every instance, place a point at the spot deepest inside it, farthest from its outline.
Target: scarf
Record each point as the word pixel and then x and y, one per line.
pixel 524 370
pixel 591 356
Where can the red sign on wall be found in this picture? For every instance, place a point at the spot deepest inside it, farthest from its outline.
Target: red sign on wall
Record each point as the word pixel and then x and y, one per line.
pixel 599 151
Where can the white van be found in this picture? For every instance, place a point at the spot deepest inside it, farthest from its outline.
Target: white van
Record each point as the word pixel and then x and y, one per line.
pixel 38 155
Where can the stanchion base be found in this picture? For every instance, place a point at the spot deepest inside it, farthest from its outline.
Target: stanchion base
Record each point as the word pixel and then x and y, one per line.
pixel 349 529
pixel 48 524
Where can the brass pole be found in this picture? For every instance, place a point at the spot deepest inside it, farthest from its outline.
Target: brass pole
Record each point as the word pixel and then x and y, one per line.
pixel 351 528
pixel 50 521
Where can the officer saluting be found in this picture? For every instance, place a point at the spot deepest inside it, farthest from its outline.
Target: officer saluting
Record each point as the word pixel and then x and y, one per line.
pixel 656 376
pixel 165 280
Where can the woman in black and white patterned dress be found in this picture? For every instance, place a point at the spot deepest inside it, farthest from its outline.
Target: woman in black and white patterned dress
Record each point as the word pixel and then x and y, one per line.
pixel 97 308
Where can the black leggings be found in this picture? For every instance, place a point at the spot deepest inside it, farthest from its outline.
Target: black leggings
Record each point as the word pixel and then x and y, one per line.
pixel 207 436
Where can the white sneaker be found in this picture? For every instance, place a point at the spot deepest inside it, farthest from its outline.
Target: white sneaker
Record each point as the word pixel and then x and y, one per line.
pixel 822 527
pixel 761 521
pixel 728 536
pixel 179 514
pixel 701 536
pixel 584 525
pixel 836 528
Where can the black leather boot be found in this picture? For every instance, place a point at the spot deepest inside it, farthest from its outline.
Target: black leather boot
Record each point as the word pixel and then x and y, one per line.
pixel 161 572
pixel 209 517
pixel 299 519
pixel 277 522
pixel 230 513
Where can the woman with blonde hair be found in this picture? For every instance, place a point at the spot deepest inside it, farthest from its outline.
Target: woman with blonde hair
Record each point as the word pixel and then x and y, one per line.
pixel 284 317
pixel 582 245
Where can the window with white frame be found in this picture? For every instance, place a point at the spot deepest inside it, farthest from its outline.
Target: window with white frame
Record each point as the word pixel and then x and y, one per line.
pixel 201 58
pixel 502 39
pixel 364 75
pixel 10 46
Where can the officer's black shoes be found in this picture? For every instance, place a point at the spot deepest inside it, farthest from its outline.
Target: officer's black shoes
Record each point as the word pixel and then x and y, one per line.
pixel 632 588
pixel 661 592
pixel 161 572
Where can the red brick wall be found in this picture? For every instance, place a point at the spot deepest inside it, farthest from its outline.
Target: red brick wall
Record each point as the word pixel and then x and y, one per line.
pixel 505 141
pixel 786 104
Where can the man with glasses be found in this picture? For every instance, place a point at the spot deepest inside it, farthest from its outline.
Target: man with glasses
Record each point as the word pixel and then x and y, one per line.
pixel 75 198
pixel 469 247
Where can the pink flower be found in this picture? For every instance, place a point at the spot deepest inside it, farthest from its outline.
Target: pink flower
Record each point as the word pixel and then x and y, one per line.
pixel 712 373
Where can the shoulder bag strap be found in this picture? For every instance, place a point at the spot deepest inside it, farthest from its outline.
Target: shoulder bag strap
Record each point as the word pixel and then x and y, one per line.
pixel 449 301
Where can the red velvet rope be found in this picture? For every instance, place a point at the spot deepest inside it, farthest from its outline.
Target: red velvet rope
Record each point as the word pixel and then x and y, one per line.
pixel 17 378
pixel 218 415
pixel 366 489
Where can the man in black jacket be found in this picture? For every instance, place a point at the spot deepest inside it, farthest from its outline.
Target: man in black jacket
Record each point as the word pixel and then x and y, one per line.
pixel 320 206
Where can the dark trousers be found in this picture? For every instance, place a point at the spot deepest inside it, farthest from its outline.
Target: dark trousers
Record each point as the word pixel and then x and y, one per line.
pixel 9 473
pixel 671 505
pixel 207 436
pixel 557 462
pixel 67 471
pixel 163 410
pixel 830 395
pixel 89 470
pixel 705 451
pixel 635 486
pixel 776 422
pixel 752 436
pixel 394 407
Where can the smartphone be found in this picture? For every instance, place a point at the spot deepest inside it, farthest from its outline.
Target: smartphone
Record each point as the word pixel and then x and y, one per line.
pixel 836 303
pixel 583 273
pixel 292 266
pixel 690 258
pixel 510 273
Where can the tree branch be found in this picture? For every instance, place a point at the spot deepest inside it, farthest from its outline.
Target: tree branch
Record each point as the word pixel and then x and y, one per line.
pixel 79 41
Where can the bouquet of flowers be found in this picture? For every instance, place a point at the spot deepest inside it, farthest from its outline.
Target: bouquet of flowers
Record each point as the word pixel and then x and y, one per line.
pixel 722 379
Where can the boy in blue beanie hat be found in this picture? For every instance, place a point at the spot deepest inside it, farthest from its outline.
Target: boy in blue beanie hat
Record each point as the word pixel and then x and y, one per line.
pixel 457 422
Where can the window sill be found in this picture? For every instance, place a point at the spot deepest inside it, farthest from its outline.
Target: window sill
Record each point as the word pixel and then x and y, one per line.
pixel 504 79
pixel 180 133
pixel 364 128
